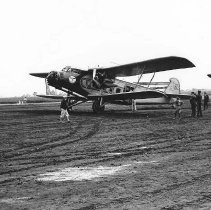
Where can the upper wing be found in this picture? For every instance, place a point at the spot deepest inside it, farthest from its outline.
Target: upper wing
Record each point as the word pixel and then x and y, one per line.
pixel 58 97
pixel 148 66
pixel 42 75
pixel 51 96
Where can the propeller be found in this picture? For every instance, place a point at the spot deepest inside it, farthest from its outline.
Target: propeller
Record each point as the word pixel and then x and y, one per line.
pixel 94 73
pixel 53 78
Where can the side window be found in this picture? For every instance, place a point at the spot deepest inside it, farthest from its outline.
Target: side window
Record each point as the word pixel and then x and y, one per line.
pixel 118 90
pixel 128 88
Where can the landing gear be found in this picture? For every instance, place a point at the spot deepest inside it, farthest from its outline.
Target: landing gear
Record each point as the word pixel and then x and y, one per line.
pixel 97 107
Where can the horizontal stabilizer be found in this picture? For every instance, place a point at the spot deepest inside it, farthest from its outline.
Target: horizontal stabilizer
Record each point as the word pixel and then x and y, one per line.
pixel 153 83
pixel 181 96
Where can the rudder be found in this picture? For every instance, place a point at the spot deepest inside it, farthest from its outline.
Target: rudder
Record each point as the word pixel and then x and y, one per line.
pixel 173 87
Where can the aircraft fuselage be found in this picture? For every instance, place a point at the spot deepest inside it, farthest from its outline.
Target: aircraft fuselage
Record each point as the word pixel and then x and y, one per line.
pixel 82 83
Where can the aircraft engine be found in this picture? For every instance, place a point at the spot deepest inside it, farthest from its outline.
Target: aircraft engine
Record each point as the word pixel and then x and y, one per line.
pixel 53 79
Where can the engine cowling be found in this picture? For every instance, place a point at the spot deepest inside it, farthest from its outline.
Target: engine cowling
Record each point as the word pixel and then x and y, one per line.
pixel 53 79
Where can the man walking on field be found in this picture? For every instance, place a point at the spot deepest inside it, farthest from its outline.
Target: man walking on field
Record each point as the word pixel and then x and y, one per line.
pixel 64 112
pixel 199 103
pixel 178 107
pixel 193 104
pixel 206 100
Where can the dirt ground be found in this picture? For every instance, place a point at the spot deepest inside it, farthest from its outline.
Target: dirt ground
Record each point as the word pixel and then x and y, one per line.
pixel 114 160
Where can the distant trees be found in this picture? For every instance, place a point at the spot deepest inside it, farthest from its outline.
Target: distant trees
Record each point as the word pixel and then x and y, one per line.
pixel 26 95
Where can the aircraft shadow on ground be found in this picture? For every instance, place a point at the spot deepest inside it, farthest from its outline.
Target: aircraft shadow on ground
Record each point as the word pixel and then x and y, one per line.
pixel 40 112
pixel 145 112
pixel 116 113
pixel 107 113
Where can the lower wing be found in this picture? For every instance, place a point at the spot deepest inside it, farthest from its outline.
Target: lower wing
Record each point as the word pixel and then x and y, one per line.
pixel 138 95
pixel 128 95
pixel 122 96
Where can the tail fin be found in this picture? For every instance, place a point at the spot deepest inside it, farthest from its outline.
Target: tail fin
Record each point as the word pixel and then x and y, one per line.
pixel 173 87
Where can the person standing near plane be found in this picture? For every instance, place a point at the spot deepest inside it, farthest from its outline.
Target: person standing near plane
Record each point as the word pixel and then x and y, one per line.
pixel 199 102
pixel 64 112
pixel 134 109
pixel 193 104
pixel 206 100
pixel 178 107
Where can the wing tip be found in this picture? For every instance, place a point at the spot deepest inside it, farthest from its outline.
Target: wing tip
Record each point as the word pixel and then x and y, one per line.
pixel 41 75
pixel 187 63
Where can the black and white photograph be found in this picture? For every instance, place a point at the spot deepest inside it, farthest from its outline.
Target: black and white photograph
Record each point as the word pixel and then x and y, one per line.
pixel 105 104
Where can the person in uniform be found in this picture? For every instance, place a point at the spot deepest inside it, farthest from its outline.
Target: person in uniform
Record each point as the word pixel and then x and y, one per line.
pixel 64 112
pixel 206 100
pixel 193 104
pixel 178 107
pixel 134 109
pixel 199 103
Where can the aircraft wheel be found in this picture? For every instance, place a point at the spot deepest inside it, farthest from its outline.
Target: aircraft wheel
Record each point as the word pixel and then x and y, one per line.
pixel 102 108
pixel 97 108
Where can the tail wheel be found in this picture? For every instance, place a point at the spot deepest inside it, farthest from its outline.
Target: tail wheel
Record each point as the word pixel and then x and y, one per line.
pixel 97 108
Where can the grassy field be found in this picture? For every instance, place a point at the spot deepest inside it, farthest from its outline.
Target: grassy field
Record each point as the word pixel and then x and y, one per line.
pixel 114 160
pixel 15 100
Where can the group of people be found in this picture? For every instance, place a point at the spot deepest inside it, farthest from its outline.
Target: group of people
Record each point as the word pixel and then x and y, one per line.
pixel 195 102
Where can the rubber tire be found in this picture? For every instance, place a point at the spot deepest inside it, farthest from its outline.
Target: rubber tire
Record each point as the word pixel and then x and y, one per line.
pixel 97 108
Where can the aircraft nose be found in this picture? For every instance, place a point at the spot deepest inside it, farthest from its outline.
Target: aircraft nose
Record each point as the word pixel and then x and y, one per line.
pixel 53 78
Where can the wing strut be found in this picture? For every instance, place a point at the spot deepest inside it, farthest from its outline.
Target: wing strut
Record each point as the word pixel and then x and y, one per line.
pixel 142 71
pixel 133 102
pixel 151 79
pixel 72 93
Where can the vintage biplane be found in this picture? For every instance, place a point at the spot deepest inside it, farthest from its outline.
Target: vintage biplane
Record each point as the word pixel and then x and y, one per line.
pixel 103 86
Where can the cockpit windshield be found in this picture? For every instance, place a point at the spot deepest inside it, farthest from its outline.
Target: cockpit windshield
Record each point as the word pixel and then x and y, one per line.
pixel 67 69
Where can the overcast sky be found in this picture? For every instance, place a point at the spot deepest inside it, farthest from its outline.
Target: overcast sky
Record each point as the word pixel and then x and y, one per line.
pixel 45 35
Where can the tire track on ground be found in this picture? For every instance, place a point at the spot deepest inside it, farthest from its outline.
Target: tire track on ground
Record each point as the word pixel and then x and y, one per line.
pixel 88 135
pixel 125 152
pixel 147 195
pixel 22 151
pixel 205 198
